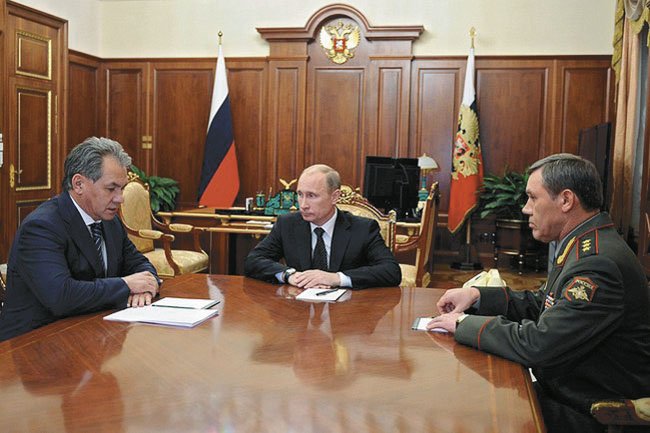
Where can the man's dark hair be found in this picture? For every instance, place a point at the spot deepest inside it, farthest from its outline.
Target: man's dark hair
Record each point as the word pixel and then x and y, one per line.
pixel 566 171
pixel 87 158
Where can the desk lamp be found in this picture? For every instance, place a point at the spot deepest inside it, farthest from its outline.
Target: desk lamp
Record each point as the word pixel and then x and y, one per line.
pixel 426 164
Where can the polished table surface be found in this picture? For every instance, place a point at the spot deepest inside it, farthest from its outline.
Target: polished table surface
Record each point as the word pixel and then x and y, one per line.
pixel 267 363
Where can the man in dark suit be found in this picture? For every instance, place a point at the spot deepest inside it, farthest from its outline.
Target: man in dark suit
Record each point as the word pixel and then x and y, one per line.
pixel 71 255
pixel 322 246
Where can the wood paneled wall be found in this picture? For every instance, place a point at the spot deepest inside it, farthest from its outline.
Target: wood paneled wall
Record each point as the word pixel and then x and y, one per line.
pixel 295 107
pixel 528 108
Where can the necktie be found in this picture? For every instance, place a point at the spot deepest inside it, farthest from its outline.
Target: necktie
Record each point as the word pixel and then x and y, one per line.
pixel 319 260
pixel 98 238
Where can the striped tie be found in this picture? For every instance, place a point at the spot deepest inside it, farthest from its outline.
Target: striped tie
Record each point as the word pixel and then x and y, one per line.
pixel 96 230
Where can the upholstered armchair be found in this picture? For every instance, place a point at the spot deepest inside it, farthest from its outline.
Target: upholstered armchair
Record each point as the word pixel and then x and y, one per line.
pixel 418 275
pixel 352 201
pixel 616 414
pixel 143 229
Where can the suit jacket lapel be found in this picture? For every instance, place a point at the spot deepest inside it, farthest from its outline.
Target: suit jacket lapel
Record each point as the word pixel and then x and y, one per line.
pixel 340 240
pixel 79 232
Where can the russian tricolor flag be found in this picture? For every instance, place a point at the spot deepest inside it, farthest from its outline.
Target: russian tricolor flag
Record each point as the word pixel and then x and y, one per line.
pixel 219 176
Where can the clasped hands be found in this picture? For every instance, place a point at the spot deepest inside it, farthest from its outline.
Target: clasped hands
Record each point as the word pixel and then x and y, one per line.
pixel 451 305
pixel 143 286
pixel 315 279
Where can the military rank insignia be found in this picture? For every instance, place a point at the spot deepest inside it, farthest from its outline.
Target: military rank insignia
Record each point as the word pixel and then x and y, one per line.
pixel 588 245
pixel 580 289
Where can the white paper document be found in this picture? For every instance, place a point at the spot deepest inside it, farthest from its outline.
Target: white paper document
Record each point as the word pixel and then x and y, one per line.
pixel 185 303
pixel 420 324
pixel 321 295
pixel 185 317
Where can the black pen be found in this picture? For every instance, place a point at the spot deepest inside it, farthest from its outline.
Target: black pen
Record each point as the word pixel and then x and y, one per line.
pixel 326 292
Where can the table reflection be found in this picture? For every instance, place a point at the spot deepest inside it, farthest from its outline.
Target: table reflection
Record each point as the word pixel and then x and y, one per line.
pixel 327 344
pixel 88 393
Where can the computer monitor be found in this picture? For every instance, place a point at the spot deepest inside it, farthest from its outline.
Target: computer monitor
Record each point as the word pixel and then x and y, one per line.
pixel 392 184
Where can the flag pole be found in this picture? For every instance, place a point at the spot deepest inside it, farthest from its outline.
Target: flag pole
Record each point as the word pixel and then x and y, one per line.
pixel 468 264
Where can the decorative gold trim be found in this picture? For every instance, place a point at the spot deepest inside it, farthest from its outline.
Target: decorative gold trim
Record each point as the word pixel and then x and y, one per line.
pixel 19 54
pixel 49 139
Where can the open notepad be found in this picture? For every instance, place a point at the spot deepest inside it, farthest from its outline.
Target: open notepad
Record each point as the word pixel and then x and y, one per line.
pixel 181 312
pixel 321 295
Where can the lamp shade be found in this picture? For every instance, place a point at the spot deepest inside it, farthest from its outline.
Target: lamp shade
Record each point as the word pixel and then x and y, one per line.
pixel 425 162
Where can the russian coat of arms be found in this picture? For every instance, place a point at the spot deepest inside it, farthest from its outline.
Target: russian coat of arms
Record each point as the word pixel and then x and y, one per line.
pixel 339 41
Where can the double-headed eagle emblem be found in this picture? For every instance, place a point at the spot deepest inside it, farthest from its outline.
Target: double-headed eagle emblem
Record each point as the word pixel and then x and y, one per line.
pixel 339 41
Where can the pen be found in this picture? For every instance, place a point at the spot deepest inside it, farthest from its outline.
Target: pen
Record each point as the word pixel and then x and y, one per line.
pixel 326 292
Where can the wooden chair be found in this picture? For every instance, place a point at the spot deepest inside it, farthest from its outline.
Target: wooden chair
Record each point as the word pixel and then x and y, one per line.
pixel 418 275
pixel 3 283
pixel 352 201
pixel 143 229
pixel 616 414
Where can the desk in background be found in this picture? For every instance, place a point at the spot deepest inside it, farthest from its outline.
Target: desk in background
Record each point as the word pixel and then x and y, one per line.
pixel 225 244
pixel 266 363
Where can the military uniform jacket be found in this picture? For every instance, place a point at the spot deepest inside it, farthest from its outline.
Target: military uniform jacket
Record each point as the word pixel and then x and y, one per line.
pixel 586 332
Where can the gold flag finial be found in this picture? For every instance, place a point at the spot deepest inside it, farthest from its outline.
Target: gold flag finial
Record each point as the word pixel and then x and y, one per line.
pixel 220 35
pixel 472 34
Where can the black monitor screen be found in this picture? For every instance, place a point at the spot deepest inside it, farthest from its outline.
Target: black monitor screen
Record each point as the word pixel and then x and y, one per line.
pixel 392 183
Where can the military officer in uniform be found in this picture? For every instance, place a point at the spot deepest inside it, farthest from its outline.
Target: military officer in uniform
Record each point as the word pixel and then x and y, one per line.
pixel 586 332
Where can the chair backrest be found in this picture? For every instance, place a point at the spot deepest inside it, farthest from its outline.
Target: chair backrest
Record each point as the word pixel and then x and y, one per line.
pixel 135 212
pixel 426 242
pixel 352 201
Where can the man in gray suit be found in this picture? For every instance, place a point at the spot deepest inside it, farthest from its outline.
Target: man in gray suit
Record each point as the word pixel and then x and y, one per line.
pixel 71 255
pixel 321 245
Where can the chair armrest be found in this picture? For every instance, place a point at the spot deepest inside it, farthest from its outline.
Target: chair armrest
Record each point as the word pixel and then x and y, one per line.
pixel 622 412
pixel 155 235
pixel 181 228
pixel 410 244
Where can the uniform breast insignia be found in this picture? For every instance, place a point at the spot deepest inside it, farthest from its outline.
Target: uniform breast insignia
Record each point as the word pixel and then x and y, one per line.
pixel 549 301
pixel 588 245
pixel 580 289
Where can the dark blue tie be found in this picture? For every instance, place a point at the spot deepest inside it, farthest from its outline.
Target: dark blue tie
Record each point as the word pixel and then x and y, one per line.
pixel 98 238
pixel 319 260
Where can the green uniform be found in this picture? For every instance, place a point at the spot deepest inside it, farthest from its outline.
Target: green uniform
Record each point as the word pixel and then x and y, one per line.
pixel 586 332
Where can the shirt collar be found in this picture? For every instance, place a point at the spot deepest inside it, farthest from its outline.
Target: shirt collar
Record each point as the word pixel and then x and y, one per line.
pixel 88 220
pixel 329 224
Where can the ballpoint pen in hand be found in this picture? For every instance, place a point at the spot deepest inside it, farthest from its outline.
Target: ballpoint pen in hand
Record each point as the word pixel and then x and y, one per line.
pixel 328 291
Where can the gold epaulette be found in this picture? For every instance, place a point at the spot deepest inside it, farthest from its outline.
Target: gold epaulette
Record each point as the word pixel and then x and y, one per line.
pixel 562 257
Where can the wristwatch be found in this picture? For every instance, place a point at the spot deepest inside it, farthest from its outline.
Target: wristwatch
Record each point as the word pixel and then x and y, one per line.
pixel 286 274
pixel 460 319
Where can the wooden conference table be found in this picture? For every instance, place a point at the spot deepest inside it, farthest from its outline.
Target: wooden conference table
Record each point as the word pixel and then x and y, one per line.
pixel 267 363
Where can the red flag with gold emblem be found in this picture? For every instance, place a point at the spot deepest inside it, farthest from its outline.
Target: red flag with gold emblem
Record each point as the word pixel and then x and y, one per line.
pixel 467 160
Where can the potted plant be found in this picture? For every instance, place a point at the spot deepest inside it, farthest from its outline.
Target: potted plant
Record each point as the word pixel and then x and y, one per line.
pixel 504 197
pixel 162 190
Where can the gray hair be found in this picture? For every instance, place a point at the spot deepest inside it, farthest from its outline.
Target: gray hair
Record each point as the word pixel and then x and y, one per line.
pixel 87 159
pixel 332 177
pixel 566 171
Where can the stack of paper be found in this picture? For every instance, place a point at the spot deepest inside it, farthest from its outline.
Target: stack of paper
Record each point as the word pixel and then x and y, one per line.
pixel 169 311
